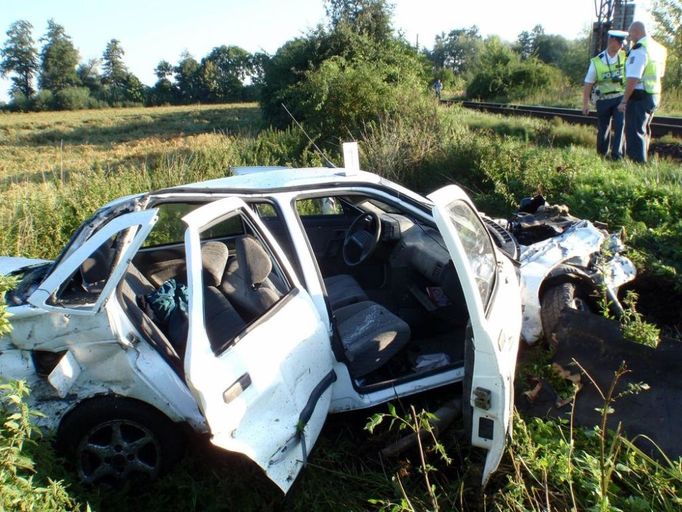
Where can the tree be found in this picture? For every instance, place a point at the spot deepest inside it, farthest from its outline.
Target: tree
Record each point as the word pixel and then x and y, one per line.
pixel 88 75
pixel 550 48
pixel 58 59
pixel 187 79
pixel 223 72
pixel 114 70
pixel 163 70
pixel 668 17
pixel 527 42
pixel 163 90
pixel 371 18
pixel 120 85
pixel 459 50
pixel 20 57
pixel 574 61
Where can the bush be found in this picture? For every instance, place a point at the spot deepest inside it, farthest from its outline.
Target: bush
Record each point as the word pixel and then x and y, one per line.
pixel 513 81
pixel 43 100
pixel 72 98
pixel 20 102
pixel 342 97
pixel 335 83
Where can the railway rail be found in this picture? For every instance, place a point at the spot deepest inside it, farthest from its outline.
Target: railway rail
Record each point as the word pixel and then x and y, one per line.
pixel 660 126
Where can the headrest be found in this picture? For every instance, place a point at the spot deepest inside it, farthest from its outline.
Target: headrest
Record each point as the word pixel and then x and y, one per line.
pixel 213 259
pixel 253 260
pixel 97 268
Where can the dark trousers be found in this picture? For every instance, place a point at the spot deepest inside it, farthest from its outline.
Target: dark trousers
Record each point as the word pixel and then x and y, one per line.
pixel 609 117
pixel 638 115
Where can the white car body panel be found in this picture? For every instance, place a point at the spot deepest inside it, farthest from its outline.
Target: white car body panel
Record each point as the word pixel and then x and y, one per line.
pixel 255 393
pixel 9 264
pixel 101 356
pixel 495 337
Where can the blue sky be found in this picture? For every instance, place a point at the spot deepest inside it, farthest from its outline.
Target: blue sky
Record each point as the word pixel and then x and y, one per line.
pixel 152 30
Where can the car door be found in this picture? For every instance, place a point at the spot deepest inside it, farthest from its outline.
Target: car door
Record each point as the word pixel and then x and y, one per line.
pixel 266 394
pixel 66 289
pixel 492 295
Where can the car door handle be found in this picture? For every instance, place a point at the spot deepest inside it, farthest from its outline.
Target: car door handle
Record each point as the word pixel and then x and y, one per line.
pixel 237 388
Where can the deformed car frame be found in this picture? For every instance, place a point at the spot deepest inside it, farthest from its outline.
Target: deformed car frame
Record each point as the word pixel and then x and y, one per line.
pixel 294 293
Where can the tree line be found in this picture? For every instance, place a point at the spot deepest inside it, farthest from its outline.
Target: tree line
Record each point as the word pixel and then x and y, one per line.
pixel 65 83
pixel 354 64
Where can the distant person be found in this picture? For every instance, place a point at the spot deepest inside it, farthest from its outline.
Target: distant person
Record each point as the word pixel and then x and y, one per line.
pixel 438 88
pixel 644 70
pixel 605 80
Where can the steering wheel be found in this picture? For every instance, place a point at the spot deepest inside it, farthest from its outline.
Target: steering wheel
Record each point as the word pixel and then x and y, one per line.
pixel 361 239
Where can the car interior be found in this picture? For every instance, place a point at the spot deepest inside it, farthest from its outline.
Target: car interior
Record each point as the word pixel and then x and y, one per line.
pixel 398 308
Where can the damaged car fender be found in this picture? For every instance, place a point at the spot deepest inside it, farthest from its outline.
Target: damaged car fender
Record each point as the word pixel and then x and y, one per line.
pixel 573 255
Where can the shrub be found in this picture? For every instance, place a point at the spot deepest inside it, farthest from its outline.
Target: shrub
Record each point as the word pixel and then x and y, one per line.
pixel 343 96
pixel 20 102
pixel 513 81
pixel 72 98
pixel 43 100
pixel 336 83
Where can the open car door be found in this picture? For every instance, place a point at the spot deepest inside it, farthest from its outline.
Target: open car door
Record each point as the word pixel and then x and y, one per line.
pixel 265 392
pixel 493 298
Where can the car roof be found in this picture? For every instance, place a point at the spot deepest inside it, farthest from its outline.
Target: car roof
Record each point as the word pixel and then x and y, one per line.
pixel 269 179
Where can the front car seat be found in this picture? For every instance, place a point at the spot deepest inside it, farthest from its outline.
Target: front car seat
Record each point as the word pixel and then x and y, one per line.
pixel 370 335
pixel 343 290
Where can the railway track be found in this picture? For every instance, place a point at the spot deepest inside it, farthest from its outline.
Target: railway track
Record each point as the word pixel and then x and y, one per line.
pixel 659 127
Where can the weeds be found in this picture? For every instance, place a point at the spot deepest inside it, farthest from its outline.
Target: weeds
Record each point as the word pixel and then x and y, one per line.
pixel 554 466
pixel 634 327
pixel 19 489
pixel 419 424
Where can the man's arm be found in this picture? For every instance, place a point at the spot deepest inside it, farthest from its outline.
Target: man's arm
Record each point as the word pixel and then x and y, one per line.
pixel 629 87
pixel 633 72
pixel 587 90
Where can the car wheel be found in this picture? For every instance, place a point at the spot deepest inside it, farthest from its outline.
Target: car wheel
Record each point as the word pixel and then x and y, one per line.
pixel 557 299
pixel 112 440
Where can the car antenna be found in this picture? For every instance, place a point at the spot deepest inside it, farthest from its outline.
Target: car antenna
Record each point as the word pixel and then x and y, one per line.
pixel 324 157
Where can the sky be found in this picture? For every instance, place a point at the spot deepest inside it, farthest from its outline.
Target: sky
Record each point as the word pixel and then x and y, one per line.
pixel 155 30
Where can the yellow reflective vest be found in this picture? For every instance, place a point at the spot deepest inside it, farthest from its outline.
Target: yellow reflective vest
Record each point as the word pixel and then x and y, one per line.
pixel 656 55
pixel 610 77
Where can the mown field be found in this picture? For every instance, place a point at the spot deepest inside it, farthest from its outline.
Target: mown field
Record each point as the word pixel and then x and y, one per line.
pixel 56 168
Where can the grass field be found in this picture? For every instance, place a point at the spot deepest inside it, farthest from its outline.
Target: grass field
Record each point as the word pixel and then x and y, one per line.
pixel 57 168
pixel 38 146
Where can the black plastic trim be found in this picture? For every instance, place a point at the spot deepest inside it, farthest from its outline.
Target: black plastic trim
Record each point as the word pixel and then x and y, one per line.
pixel 315 395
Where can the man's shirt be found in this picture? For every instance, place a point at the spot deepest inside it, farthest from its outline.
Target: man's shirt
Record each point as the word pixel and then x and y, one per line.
pixel 637 60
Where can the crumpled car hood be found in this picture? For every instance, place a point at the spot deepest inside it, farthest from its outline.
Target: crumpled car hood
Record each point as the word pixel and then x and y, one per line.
pixel 9 264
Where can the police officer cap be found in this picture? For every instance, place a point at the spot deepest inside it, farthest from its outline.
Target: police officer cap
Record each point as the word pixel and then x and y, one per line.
pixel 618 34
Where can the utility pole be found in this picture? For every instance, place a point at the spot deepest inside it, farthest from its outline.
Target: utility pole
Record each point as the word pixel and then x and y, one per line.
pixel 611 14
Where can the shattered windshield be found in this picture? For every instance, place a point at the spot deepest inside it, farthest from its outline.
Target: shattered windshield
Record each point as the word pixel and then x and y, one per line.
pixel 477 246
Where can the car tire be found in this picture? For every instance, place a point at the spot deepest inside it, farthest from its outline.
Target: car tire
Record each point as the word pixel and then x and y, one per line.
pixel 558 298
pixel 112 440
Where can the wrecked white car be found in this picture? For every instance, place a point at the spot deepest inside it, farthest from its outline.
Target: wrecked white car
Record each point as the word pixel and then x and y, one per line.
pixel 250 307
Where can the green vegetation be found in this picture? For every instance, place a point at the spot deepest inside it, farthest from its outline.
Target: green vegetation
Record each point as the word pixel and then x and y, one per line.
pixel 48 187
pixel 20 487
pixel 351 78
pixel 356 50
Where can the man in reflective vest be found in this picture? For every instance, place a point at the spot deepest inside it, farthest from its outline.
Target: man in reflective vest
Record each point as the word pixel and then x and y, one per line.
pixel 605 81
pixel 644 69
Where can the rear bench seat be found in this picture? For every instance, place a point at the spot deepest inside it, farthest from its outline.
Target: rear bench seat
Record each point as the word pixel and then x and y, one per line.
pixel 221 320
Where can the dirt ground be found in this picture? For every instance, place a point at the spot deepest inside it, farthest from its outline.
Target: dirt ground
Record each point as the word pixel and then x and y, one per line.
pixel 647 417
